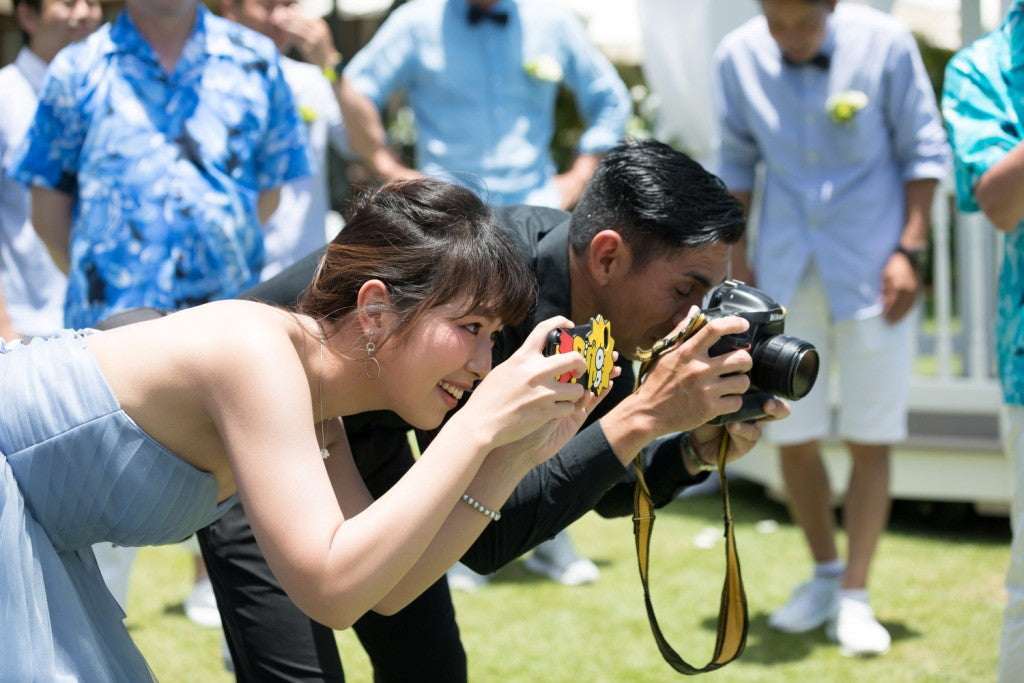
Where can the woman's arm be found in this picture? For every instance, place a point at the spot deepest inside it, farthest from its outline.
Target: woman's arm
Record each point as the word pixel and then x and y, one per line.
pixel 339 560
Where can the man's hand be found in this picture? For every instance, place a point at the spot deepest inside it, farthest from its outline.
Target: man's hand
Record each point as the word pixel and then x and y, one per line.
pixel 686 388
pixel 706 439
pixel 310 35
pixel 900 285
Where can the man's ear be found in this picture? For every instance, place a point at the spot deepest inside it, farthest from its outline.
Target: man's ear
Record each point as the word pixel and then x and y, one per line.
pixel 608 257
pixel 373 309
pixel 27 18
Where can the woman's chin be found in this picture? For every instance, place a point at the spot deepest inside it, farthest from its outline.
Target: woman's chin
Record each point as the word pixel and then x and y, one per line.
pixel 424 422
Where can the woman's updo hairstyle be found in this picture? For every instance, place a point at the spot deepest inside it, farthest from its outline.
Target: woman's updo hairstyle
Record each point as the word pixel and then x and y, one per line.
pixel 430 242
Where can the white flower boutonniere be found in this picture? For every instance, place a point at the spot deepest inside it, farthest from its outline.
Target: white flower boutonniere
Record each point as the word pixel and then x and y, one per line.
pixel 544 68
pixel 307 114
pixel 843 106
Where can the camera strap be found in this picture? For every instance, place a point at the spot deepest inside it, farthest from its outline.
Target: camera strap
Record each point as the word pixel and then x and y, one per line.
pixel 732 612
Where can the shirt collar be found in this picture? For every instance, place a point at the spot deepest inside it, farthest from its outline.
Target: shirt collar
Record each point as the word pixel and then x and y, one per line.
pixel 125 37
pixel 32 67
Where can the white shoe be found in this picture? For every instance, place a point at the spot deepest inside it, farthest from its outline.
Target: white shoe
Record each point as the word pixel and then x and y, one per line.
pixel 462 578
pixel 558 560
pixel 201 606
pixel 813 603
pixel 857 631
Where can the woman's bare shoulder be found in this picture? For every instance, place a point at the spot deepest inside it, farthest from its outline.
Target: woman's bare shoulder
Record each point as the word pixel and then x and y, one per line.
pixel 206 341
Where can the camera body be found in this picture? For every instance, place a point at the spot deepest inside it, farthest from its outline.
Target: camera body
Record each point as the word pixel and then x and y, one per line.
pixel 783 366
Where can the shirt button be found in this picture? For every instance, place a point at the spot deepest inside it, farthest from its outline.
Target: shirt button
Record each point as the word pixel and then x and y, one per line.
pixel 812 157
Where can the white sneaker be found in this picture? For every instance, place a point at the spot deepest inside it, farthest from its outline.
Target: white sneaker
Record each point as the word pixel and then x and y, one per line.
pixel 462 578
pixel 813 603
pixel 201 606
pixel 558 560
pixel 857 631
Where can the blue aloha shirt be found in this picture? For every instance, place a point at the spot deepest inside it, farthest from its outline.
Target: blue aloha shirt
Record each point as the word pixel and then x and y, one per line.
pixel 165 170
pixel 983 103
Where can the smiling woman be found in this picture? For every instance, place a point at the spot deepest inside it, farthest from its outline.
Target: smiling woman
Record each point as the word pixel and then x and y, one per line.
pixel 161 424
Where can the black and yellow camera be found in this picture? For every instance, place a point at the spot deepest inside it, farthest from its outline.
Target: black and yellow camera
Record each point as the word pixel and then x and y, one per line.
pixel 783 366
pixel 594 342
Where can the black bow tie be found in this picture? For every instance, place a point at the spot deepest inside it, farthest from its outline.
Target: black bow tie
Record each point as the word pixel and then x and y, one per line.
pixel 478 14
pixel 820 60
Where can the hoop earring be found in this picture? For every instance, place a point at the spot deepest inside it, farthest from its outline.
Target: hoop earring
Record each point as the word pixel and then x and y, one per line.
pixel 370 349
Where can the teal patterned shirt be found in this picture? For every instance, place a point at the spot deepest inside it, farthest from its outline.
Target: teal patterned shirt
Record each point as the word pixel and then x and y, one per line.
pixel 983 102
pixel 165 169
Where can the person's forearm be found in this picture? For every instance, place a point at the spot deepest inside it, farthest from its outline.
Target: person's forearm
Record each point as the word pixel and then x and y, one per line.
pixel 266 204
pixel 1000 190
pixel 664 474
pixel 548 499
pixel 344 586
pixel 572 182
pixel 51 219
pixel 491 486
pixel 366 133
pixel 919 195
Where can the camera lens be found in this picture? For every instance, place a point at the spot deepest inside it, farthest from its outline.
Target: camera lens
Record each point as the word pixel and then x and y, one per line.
pixel 785 366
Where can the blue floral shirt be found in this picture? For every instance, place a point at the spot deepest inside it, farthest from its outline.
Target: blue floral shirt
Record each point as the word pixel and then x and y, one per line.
pixel 983 102
pixel 165 169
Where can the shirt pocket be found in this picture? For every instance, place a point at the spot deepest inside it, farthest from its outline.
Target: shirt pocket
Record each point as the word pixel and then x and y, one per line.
pixel 860 138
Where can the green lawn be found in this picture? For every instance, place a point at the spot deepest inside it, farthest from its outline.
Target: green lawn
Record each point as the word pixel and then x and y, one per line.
pixel 937 587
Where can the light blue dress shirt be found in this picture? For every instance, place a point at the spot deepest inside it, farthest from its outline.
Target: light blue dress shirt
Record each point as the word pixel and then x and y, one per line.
pixel 834 192
pixel 165 169
pixel 983 102
pixel 481 120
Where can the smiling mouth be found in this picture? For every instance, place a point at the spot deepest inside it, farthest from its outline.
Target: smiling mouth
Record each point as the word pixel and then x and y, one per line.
pixel 452 390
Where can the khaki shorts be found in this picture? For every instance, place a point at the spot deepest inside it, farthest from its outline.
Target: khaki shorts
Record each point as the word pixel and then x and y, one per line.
pixel 863 382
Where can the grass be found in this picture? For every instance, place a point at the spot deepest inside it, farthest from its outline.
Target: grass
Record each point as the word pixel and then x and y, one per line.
pixel 937 585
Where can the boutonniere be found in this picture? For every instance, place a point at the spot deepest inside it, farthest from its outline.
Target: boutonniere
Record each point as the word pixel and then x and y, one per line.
pixel 544 68
pixel 307 114
pixel 843 106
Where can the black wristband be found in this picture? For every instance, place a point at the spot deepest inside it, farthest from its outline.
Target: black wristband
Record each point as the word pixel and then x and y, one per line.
pixel 915 256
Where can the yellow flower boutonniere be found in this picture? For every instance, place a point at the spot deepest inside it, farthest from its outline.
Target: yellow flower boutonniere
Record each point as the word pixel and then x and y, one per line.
pixel 843 106
pixel 544 68
pixel 307 114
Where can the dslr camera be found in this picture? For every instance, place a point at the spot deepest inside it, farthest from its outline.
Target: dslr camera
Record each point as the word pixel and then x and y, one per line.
pixel 783 366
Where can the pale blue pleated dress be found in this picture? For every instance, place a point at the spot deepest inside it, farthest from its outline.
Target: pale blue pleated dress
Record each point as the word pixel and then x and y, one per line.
pixel 74 470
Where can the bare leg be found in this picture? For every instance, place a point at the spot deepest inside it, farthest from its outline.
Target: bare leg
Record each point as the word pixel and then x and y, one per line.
pixel 866 509
pixel 809 497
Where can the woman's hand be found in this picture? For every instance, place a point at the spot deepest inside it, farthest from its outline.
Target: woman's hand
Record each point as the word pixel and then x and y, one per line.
pixel 523 394
pixel 549 438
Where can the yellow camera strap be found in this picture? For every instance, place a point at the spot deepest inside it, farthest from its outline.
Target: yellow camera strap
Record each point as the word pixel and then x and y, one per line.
pixel 732 611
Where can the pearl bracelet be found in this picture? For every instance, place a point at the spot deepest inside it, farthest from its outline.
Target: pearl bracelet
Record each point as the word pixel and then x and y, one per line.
pixel 479 507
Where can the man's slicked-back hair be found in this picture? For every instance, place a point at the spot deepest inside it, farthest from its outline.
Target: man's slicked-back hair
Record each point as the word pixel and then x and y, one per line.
pixel 658 199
